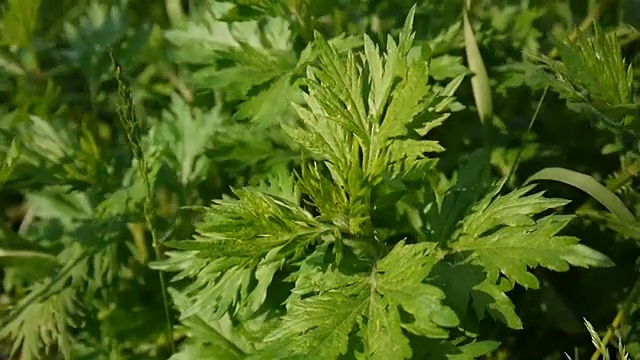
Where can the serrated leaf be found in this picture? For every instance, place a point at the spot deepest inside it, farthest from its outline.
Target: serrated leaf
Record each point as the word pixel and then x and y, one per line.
pixel 100 27
pixel 488 297
pixel 321 324
pixel 67 156
pixel 260 58
pixel 8 164
pixel 211 337
pixel 381 107
pixel 422 301
pixel 280 183
pixel 493 241
pixel 500 211
pixel 474 350
pixel 241 244
pixel 325 336
pixel 503 238
pixel 470 184
pixel 447 67
pixel 467 284
pixel 625 228
pixel 185 135
pixel 253 225
pixel 384 333
pixel 594 78
pixel 20 19
pixel 511 250
pixel 268 105
pixel 264 276
pixel 61 203
pixel 44 325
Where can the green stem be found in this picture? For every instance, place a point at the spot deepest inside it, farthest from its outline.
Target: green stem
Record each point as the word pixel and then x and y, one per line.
pixel 131 126
pixel 176 81
pixel 632 171
pixel 149 214
pixel 531 122
pixel 174 11
pixel 617 321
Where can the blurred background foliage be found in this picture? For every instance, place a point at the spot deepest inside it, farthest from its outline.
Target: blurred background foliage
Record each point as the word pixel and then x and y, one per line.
pixel 212 83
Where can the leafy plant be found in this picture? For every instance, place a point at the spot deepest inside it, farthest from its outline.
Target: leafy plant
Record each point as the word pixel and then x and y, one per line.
pixel 304 179
pixel 357 290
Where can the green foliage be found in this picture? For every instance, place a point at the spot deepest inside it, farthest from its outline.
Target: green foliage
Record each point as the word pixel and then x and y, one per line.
pixel 342 263
pixel 593 77
pixel 20 20
pixel 312 178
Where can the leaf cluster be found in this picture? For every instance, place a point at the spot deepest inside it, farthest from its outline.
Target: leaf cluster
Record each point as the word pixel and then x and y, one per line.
pixel 356 290
pixel 312 177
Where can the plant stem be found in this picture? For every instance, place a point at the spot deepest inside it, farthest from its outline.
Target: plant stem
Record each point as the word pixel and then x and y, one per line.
pixel 531 122
pixel 174 11
pixel 175 80
pixel 149 214
pixel 632 171
pixel 617 321
pixel 132 130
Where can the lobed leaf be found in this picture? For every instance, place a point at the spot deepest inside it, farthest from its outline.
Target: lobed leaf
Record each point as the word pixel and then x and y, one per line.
pixel 372 114
pixel 367 306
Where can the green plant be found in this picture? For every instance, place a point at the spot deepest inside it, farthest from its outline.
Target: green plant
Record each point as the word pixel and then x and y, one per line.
pixel 301 179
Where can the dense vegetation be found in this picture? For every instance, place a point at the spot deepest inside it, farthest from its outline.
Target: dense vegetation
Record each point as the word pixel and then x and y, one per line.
pixel 336 179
